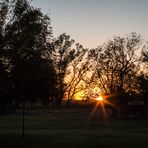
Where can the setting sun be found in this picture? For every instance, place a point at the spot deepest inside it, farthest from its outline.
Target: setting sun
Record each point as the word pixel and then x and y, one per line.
pixel 99 98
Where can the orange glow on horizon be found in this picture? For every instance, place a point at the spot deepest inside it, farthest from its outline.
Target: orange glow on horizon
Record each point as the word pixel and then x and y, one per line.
pixel 79 95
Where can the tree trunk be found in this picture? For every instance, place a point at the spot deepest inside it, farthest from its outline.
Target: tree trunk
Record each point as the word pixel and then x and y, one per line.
pixel 58 102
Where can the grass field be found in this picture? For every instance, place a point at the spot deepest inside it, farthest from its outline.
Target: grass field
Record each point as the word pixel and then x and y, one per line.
pixel 71 128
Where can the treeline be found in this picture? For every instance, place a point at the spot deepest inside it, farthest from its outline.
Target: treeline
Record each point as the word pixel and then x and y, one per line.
pixel 35 66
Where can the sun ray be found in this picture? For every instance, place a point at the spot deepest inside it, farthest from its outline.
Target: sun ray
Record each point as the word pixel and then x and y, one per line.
pixel 101 103
pixel 105 114
pixel 104 110
pixel 93 111
pixel 109 103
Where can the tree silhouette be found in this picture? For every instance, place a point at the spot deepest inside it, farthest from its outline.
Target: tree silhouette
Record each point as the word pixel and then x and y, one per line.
pixel 143 78
pixel 62 55
pixel 4 81
pixel 24 34
pixel 117 65
pixel 27 34
pixel 145 56
pixel 143 82
pixel 79 69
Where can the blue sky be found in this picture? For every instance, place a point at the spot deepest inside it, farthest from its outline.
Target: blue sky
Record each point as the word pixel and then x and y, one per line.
pixel 93 22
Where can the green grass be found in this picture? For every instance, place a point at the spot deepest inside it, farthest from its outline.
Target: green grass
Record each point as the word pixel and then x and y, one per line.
pixel 71 128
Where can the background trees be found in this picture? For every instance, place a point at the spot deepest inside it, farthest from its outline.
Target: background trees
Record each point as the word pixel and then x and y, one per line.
pixel 143 77
pixel 36 66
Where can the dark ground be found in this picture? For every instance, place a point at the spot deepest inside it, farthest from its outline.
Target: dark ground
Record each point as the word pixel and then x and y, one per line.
pixel 71 128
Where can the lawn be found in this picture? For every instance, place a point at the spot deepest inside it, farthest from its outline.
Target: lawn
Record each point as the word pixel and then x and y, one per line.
pixel 71 128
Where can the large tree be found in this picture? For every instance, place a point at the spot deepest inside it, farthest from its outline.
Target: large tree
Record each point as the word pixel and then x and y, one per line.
pixel 28 35
pixel 117 65
pixel 67 57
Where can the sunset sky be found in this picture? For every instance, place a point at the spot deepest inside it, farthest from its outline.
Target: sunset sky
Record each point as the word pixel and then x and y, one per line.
pixel 92 22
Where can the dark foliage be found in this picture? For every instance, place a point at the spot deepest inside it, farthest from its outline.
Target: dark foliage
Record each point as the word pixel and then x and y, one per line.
pixel 24 47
